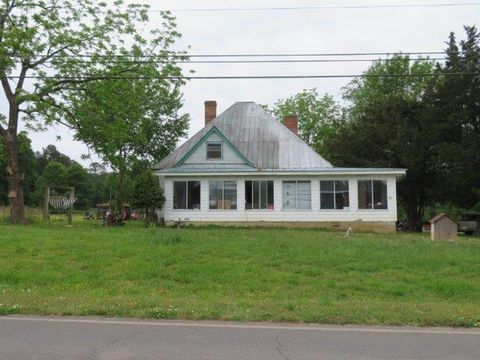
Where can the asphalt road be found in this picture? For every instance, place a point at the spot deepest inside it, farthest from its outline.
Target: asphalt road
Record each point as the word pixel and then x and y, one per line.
pixel 86 338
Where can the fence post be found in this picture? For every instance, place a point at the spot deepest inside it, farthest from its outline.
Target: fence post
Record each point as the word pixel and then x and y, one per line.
pixel 70 209
pixel 45 203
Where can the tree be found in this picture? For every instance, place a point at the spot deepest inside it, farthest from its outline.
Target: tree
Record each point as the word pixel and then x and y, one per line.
pixel 318 116
pixel 51 153
pixel 79 178
pixel 147 194
pixel 27 164
pixel 455 104
pixel 46 40
pixel 389 126
pixel 126 121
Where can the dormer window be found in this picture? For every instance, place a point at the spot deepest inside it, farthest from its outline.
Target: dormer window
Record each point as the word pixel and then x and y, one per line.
pixel 214 150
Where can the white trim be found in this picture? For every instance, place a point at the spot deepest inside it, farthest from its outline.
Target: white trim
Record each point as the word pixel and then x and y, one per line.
pixel 286 173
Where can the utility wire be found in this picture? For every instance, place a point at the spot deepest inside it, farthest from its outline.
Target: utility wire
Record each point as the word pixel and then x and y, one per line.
pixel 153 61
pixel 322 7
pixel 247 77
pixel 176 55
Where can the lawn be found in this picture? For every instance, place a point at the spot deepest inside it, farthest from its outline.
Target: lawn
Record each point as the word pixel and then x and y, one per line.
pixel 239 274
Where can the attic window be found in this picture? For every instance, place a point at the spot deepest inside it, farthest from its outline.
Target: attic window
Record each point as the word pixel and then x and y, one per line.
pixel 214 151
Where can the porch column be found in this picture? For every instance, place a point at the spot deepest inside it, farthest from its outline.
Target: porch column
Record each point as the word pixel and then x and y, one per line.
pixel 241 195
pixel 204 195
pixel 353 194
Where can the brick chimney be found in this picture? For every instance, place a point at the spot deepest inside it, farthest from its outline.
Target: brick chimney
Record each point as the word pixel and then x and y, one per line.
pixel 210 111
pixel 291 122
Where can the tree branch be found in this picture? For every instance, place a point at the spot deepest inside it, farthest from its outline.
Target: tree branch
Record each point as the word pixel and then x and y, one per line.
pixel 21 78
pixel 48 56
pixel 4 17
pixel 7 88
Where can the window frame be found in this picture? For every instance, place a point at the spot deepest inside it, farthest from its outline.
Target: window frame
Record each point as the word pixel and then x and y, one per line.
pixel 296 195
pixel 213 143
pixel 260 193
pixel 186 208
pixel 335 194
pixel 385 181
pixel 223 194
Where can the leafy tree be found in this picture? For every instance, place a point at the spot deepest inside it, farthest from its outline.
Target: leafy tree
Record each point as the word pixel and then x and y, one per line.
pixel 51 153
pixel 125 121
pixel 147 194
pixel 44 39
pixel 318 116
pixel 376 88
pixel 53 175
pixel 109 187
pixel 80 179
pixel 388 127
pixel 97 168
pixel 455 104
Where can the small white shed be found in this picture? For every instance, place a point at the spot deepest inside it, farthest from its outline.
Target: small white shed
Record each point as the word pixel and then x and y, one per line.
pixel 443 227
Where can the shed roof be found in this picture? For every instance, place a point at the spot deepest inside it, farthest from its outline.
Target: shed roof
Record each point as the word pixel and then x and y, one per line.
pixel 440 216
pixel 262 139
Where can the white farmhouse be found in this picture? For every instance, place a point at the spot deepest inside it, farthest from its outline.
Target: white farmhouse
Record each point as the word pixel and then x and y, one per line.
pixel 246 168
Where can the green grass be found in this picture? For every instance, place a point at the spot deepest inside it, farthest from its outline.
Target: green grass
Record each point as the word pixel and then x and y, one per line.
pixel 239 274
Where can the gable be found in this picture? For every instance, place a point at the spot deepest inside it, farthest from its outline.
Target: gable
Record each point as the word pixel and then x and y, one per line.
pixel 197 156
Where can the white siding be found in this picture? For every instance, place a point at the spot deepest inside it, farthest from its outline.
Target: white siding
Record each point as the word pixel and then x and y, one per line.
pixel 199 156
pixel 278 214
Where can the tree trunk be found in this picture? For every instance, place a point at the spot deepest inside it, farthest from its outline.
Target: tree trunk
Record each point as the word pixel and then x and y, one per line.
pixel 415 210
pixel 119 200
pixel 14 177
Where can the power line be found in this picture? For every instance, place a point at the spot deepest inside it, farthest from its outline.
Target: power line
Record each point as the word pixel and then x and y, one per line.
pixel 333 7
pixel 255 55
pixel 243 77
pixel 273 61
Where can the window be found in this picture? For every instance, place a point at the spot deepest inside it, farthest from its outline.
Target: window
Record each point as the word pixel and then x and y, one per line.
pixel 297 195
pixel 259 195
pixel 372 194
pixel 223 195
pixel 334 194
pixel 214 151
pixel 186 195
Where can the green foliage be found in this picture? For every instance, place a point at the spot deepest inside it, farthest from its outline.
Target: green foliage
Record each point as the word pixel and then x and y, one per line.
pixel 389 126
pixel 81 180
pixel 374 89
pixel 221 273
pixel 455 106
pixel 53 175
pixel 318 116
pixel 147 194
pixel 44 38
pixel 51 153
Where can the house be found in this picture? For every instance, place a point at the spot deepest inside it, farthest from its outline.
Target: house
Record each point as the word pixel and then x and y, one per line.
pixel 245 167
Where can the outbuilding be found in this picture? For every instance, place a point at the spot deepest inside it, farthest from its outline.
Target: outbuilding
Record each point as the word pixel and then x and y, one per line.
pixel 443 227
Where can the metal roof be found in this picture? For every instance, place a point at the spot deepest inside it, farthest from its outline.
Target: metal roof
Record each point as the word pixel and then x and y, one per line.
pixel 262 139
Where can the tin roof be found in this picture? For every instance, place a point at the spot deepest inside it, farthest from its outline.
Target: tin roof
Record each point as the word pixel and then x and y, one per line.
pixel 256 134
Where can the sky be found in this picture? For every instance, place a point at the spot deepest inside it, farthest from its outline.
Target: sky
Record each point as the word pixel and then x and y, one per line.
pixel 300 31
